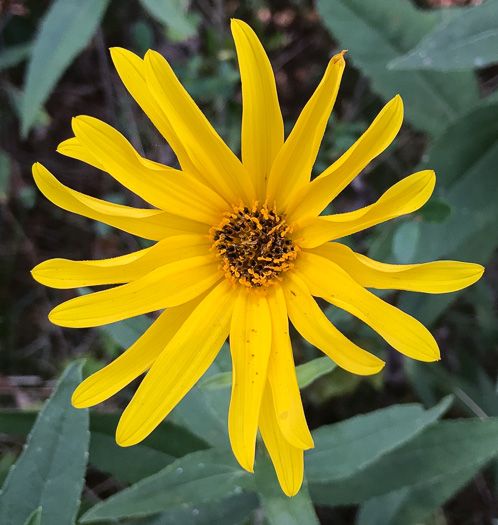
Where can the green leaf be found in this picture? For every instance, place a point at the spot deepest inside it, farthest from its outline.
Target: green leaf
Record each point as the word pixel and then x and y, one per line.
pixel 405 241
pixel 51 468
pixel 14 55
pixel 446 449
pixel 35 517
pixel 129 465
pixel 436 210
pixel 174 14
pixel 167 437
pixel 126 332
pixel 412 505
pixel 200 477
pixel 466 41
pixel 311 371
pixel 306 374
pixel 5 173
pixel 354 444
pixel 65 30
pixel 375 33
pixel 221 380
pixel 230 511
pixel 279 508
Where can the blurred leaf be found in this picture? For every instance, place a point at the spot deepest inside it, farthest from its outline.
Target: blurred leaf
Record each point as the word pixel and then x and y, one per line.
pixel 143 37
pixel 162 447
pixel 5 173
pixel 405 241
pixel 174 14
pixel 376 33
pixel 466 41
pixel 14 55
pixel 306 374
pixel 6 461
pixel 221 380
pixel 465 159
pixel 128 465
pixel 435 210
pixel 446 449
pixel 412 505
pixel 65 30
pixel 167 438
pixel 309 372
pixel 35 518
pixel 230 511
pixel 200 477
pixel 126 332
pixel 279 508
pixel 52 465
pixel 352 445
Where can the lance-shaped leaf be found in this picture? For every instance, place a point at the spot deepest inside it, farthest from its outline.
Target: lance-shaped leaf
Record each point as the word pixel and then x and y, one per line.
pixel 51 468
pixel 352 445
pixel 200 477
pixel 65 30
pixel 466 41
pixel 447 449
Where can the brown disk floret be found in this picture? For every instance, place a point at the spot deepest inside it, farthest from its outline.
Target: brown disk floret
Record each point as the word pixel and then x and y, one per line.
pixel 253 245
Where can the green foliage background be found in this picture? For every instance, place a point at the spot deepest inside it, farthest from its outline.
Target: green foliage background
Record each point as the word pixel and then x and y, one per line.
pixel 415 444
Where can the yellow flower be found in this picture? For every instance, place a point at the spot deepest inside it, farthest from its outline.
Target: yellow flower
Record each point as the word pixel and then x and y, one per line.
pixel 241 247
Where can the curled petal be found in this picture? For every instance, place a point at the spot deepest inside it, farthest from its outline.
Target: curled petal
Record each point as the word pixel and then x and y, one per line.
pixel 146 223
pixel 314 197
pixel 161 186
pixel 403 332
pixel 404 197
pixel 314 326
pixel 432 277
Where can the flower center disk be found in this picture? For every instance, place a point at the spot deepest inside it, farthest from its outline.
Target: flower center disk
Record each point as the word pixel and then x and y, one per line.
pixel 253 245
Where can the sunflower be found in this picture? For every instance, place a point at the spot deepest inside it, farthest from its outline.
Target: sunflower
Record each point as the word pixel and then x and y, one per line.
pixel 240 249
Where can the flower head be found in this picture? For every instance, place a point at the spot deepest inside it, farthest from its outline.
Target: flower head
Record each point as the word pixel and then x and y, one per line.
pixel 240 248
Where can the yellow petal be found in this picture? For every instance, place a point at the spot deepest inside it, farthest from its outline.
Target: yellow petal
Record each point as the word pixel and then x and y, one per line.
pixel 63 273
pixel 403 332
pixel 250 340
pixel 262 124
pixel 282 376
pixel 287 460
pixel 131 69
pixel 204 146
pixel 433 277
pixel 314 326
pixel 167 286
pixel 161 186
pixel 186 357
pixel 72 148
pixel 314 197
pixel 404 197
pixel 134 361
pixel 149 224
pixel 292 168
